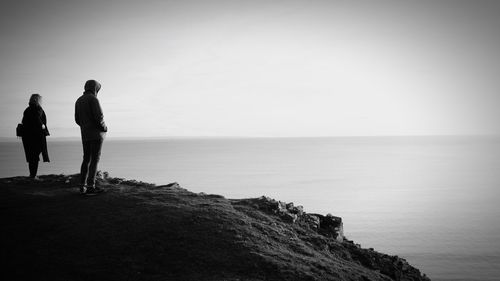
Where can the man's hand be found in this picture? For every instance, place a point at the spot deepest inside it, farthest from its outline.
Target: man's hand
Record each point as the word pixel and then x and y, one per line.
pixel 43 126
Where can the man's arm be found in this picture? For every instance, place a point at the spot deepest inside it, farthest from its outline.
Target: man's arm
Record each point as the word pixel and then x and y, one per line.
pixel 98 115
pixel 77 118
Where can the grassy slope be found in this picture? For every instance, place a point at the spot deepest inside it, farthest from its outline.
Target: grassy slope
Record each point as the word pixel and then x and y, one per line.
pixel 139 232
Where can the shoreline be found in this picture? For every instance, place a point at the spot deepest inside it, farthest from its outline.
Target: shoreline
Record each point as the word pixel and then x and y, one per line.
pixel 353 137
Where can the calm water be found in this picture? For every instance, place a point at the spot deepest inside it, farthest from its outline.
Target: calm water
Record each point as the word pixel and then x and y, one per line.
pixel 432 200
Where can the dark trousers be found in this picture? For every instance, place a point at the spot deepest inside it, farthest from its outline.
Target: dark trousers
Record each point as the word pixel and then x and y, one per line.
pixel 33 165
pixel 91 156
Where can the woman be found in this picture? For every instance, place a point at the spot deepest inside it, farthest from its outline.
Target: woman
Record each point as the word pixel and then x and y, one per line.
pixel 34 133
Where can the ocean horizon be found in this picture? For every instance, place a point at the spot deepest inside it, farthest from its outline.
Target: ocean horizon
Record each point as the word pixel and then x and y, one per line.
pixel 432 200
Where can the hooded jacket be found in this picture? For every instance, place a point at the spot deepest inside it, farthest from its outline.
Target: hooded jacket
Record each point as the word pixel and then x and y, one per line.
pixel 88 113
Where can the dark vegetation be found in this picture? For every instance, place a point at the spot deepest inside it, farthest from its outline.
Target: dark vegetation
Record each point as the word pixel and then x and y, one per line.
pixel 138 231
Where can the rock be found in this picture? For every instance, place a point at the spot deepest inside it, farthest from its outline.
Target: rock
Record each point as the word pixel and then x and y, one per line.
pixel 173 184
pixel 331 226
pixel 298 210
pixel 282 206
pixel 288 217
pixel 312 220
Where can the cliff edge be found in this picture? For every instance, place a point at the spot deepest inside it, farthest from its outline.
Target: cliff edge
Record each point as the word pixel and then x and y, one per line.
pixel 139 231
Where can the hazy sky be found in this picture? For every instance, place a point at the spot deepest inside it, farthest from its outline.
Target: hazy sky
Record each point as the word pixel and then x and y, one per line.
pixel 256 68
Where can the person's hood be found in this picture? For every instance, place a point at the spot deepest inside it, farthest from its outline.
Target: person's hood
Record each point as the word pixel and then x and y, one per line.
pixel 92 87
pixel 34 106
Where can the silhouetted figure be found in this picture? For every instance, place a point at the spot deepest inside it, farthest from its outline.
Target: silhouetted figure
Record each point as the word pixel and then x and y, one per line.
pixel 34 132
pixel 89 116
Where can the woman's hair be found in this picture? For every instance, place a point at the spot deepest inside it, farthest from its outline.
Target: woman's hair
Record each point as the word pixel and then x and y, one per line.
pixel 35 99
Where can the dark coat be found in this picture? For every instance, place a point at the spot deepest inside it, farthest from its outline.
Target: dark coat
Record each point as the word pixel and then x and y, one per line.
pixel 88 113
pixel 34 136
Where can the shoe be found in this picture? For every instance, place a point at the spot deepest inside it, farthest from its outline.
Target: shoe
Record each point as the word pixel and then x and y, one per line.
pixel 94 191
pixel 35 178
pixel 83 189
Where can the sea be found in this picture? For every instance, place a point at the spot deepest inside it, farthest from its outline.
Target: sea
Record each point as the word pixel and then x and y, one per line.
pixel 433 200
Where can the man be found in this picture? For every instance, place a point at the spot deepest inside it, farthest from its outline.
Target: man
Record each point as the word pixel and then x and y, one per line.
pixel 89 116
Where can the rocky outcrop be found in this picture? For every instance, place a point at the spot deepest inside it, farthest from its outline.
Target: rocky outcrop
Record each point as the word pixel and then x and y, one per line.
pixel 329 225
